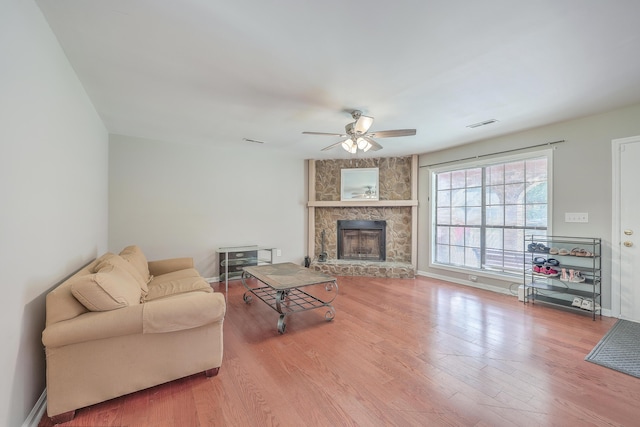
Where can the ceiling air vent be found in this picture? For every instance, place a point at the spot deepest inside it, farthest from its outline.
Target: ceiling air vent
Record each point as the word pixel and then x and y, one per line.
pixel 486 122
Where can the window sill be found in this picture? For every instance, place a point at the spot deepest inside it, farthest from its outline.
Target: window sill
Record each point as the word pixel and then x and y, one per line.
pixel 495 275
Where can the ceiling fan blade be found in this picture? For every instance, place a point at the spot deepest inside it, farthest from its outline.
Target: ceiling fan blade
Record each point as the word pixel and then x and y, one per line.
pixel 374 145
pixel 331 146
pixel 392 133
pixel 326 133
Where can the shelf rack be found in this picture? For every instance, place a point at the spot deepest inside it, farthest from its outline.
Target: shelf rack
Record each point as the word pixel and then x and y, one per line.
pixel 232 260
pixel 553 291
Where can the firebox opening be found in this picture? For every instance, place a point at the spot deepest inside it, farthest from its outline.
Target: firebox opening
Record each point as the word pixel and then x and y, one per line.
pixel 362 240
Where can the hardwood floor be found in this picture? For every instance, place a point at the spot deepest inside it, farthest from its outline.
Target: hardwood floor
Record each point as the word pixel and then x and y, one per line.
pixel 400 352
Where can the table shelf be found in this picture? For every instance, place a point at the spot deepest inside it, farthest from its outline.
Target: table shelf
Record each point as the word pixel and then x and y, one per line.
pixel 283 289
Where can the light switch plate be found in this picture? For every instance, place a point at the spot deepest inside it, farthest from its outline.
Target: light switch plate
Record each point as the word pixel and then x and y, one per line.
pixel 576 217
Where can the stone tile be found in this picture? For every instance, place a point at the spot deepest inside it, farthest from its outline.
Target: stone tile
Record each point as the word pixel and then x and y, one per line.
pixel 398 270
pixel 395 184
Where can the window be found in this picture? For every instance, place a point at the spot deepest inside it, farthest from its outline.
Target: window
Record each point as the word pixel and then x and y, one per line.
pixel 483 212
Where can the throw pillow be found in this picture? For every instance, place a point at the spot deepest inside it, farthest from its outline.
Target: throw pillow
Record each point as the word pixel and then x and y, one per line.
pixel 108 289
pixel 119 262
pixel 134 255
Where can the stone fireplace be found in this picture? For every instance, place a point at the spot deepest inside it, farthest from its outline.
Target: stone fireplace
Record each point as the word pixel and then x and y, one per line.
pixel 362 240
pixel 396 207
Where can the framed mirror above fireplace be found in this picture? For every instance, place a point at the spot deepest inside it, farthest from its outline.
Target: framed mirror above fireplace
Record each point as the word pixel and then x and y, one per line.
pixel 359 184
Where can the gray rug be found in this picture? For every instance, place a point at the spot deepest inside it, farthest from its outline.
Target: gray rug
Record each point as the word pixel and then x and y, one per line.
pixel 619 349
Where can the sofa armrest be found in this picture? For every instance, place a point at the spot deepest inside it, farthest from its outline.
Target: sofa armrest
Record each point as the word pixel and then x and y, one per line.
pixel 183 311
pixel 164 266
pixel 94 326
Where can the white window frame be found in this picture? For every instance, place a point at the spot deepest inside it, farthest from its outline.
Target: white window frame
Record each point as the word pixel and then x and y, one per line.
pixel 548 153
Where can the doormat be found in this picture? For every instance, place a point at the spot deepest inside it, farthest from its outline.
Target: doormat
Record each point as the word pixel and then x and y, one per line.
pixel 619 349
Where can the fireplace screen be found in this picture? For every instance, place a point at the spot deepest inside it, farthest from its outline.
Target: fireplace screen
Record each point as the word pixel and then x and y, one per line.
pixel 362 240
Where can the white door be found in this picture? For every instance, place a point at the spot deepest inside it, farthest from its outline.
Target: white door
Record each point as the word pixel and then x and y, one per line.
pixel 626 238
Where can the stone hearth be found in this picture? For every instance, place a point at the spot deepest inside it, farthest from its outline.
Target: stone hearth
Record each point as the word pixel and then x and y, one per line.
pixel 338 267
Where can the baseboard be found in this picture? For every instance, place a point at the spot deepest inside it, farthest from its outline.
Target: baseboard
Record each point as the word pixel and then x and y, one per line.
pixel 37 411
pixel 605 311
pixel 486 287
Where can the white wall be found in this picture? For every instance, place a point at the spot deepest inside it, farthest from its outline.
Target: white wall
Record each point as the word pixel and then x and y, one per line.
pixel 53 192
pixel 581 180
pixel 178 200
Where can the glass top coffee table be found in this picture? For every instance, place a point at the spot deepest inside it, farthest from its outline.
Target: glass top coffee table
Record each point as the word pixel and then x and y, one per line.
pixel 280 286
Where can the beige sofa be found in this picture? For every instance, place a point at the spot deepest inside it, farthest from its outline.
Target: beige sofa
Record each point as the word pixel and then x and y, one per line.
pixel 122 324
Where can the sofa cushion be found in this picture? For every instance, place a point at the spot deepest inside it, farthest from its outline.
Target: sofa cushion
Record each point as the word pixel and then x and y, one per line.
pixel 162 286
pixel 108 289
pixel 185 311
pixel 102 258
pixel 119 262
pixel 134 255
pixel 174 275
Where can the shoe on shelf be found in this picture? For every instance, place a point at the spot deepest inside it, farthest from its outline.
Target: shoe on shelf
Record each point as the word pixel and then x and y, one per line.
pixel 577 302
pixel 584 252
pixel 551 272
pixel 578 277
pixel 552 262
pixel 564 276
pixel 588 304
pixel 542 248
pixel 554 251
pixel 563 252
pixel 539 260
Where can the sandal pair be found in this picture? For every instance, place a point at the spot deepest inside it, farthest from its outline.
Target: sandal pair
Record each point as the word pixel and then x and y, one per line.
pixel 545 271
pixel 541 261
pixel 537 247
pixel 573 276
pixel 583 252
pixel 580 252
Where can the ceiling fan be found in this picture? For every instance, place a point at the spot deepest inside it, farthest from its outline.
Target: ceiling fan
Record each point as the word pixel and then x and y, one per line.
pixel 358 136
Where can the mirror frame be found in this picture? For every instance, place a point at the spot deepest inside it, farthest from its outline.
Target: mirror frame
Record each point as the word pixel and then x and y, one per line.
pixel 359 184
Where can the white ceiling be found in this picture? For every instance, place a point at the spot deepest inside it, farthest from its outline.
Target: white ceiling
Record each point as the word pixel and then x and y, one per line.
pixel 215 72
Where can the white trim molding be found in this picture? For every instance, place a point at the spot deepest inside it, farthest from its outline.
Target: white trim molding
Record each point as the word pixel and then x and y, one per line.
pixel 37 412
pixel 469 283
pixel 616 232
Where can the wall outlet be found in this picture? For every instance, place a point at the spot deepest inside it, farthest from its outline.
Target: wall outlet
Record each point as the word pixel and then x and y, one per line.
pixel 278 252
pixel 576 217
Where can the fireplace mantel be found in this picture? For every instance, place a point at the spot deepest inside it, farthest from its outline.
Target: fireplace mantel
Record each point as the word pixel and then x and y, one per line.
pixel 361 203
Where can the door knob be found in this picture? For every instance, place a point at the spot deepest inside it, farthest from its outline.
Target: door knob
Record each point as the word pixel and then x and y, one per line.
pixel 628 244
pixel 628 232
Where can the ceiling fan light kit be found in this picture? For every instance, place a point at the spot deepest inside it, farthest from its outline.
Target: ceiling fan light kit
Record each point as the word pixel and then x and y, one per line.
pixel 363 144
pixel 358 136
pixel 349 146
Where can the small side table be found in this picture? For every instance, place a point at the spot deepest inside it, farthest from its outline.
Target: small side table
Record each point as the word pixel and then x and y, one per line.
pixel 235 258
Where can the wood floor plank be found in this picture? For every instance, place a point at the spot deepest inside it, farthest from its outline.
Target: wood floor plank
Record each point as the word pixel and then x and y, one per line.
pixel 400 352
